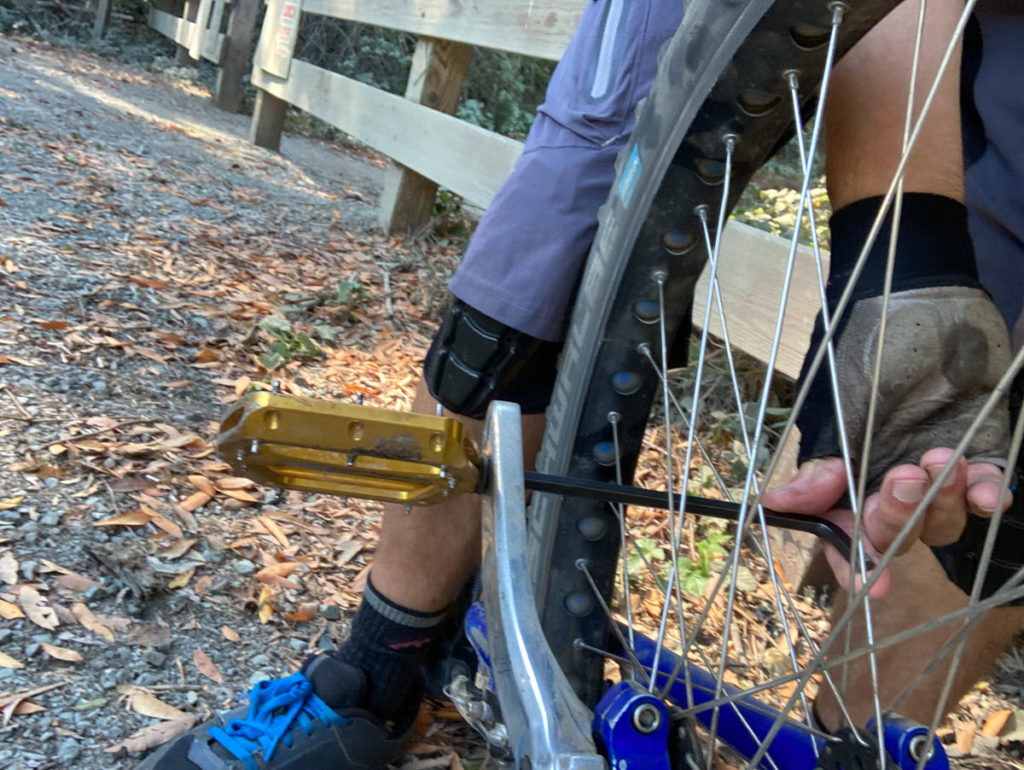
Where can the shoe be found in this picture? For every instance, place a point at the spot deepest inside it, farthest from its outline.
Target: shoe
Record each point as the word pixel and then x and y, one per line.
pixel 311 720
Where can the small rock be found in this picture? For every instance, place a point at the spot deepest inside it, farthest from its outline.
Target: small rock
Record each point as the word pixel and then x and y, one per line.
pixel 51 482
pixel 154 658
pixel 28 569
pixel 5 673
pixel 51 519
pixel 299 645
pixel 5 634
pixel 258 676
pixel 31 649
pixel 331 611
pixel 68 752
pixel 326 644
pixel 244 566
pixel 191 697
pixel 260 659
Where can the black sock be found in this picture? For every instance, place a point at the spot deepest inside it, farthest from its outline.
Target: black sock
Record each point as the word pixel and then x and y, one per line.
pixel 389 643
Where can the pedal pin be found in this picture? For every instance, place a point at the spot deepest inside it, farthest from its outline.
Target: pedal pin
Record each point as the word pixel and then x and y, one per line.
pixel 276 387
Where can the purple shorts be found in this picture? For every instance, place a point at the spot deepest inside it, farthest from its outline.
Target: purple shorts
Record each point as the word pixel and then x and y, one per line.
pixel 526 256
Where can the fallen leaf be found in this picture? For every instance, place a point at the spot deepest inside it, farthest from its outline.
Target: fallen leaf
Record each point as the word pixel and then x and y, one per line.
pixel 205 355
pixel 195 500
pixel 57 449
pixel 27 707
pixel 203 484
pixel 965 736
pixel 234 482
pixel 242 384
pixel 275 530
pixel 8 568
pixel 62 653
pixel 182 579
pixel 84 616
pixel 9 703
pixel 229 633
pixel 281 569
pixel 178 549
pixel 206 666
pixel 154 735
pixel 996 722
pixel 141 702
pixel 240 494
pixel 306 612
pixel 11 502
pixel 54 325
pixel 76 582
pixel 266 609
pixel 36 609
pixel 129 519
pixel 165 524
pixel 6 661
pixel 9 611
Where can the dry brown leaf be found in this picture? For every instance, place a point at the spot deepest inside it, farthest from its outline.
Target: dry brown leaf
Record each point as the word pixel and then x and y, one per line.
pixel 195 500
pixel 76 582
pixel 36 609
pixel 166 524
pixel 275 530
pixel 6 661
pixel 151 354
pixel 9 611
pixel 141 702
pixel 965 736
pixel 178 549
pixel 84 616
pixel 205 355
pixel 233 482
pixel 206 666
pixel 996 722
pixel 306 612
pixel 62 653
pixel 229 633
pixel 203 484
pixel 129 519
pixel 27 707
pixel 11 502
pixel 8 568
pixel 266 608
pixel 242 384
pixel 182 579
pixel 9 703
pixel 240 494
pixel 154 735
pixel 281 569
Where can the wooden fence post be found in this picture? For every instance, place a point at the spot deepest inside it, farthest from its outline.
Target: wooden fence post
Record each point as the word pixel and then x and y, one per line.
pixel 189 12
pixel 102 20
pixel 236 62
pixel 267 121
pixel 435 80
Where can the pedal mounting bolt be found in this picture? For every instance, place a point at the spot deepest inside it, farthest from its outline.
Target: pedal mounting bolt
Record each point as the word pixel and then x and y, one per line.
pixel 646 718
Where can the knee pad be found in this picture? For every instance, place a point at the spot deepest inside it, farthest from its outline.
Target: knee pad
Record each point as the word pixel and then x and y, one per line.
pixel 475 359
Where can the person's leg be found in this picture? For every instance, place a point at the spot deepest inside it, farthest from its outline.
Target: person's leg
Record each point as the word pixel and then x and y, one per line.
pixel 865 119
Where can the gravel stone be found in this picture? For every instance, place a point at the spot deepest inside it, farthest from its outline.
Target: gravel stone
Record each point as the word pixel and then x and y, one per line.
pixel 243 566
pixel 331 611
pixel 154 658
pixel 68 752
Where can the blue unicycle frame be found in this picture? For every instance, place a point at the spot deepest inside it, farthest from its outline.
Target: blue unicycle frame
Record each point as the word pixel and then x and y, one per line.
pixel 529 712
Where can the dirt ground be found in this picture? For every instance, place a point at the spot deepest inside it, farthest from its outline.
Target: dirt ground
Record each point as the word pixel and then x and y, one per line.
pixel 144 246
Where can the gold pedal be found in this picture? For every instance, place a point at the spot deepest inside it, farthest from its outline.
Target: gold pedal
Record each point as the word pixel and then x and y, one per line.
pixel 347 449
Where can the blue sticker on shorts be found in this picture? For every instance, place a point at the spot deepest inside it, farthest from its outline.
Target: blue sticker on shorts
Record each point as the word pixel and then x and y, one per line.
pixel 630 176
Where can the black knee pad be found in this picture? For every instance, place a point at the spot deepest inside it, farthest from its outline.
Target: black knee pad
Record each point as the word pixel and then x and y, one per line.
pixel 475 359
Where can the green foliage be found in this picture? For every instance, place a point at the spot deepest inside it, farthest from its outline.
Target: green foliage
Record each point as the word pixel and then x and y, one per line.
pixel 646 551
pixel 694 574
pixel 287 343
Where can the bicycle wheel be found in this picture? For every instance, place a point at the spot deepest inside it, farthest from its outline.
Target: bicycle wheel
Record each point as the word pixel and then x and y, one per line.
pixel 720 106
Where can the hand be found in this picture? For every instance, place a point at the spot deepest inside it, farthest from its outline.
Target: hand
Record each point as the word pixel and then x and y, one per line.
pixel 820 483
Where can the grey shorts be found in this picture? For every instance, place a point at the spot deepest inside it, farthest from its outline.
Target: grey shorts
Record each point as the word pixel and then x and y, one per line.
pixel 526 256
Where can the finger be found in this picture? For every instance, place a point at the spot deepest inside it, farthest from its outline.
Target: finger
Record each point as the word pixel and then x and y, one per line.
pixel 888 511
pixel 815 489
pixel 984 484
pixel 850 579
pixel 947 513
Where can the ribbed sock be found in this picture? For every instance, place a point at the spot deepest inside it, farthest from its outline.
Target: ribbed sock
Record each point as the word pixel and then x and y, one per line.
pixel 389 643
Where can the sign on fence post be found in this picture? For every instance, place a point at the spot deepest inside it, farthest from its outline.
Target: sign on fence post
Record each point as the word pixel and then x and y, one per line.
pixel 277 40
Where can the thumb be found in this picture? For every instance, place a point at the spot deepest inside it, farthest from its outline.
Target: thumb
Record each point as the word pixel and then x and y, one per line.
pixel 816 488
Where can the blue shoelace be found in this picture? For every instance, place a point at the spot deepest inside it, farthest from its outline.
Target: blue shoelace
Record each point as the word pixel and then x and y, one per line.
pixel 275 708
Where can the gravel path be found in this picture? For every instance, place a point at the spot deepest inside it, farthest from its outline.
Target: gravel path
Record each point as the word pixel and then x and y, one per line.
pixel 142 240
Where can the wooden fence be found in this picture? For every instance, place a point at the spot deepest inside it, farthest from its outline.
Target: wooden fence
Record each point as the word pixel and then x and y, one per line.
pixel 200 29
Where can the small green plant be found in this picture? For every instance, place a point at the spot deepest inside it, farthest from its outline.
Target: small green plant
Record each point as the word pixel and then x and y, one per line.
pixel 287 343
pixel 694 574
pixel 646 551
